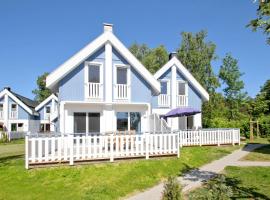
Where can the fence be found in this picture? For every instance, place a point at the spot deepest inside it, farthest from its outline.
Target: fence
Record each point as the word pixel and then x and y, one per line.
pixel 71 147
pixel 12 135
pixel 157 125
pixel 209 137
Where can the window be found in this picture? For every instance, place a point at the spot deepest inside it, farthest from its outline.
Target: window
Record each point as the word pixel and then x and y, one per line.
pixel 181 88
pixel 129 121
pixel 164 89
pixel 190 122
pixel 20 127
pixel 121 75
pixel 122 121
pixel 13 127
pixel 94 74
pixel 1 107
pixel 13 107
pixel 135 121
pixel 79 122
pixel 45 127
pixel 93 122
pixel 48 109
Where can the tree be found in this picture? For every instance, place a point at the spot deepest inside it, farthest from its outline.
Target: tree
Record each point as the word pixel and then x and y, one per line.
pixel 41 92
pixel 262 21
pixel 230 75
pixel 152 59
pixel 196 55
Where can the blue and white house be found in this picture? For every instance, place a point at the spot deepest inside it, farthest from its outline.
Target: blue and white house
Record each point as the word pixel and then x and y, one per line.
pixel 17 113
pixel 48 114
pixel 104 88
pixel 179 89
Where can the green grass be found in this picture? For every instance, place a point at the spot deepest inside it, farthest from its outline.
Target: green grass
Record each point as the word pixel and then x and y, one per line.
pixel 247 182
pixel 94 181
pixel 260 154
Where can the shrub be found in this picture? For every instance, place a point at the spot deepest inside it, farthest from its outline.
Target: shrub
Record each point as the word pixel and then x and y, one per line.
pixel 172 189
pixel 264 126
pixel 4 137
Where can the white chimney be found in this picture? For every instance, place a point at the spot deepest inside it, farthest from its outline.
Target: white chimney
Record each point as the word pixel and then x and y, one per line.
pixel 108 27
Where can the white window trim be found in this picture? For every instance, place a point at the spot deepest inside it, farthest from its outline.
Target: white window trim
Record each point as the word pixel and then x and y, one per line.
pixel 128 78
pixel 10 108
pixel 128 118
pixel 186 86
pixel 168 85
pixel 87 122
pixel 46 112
pixel 86 75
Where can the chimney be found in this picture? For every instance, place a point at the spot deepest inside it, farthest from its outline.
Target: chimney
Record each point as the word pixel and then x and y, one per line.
pixel 108 27
pixel 172 54
pixel 7 88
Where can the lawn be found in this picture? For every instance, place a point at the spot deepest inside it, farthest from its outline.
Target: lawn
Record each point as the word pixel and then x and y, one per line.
pixel 94 181
pixel 246 182
pixel 260 154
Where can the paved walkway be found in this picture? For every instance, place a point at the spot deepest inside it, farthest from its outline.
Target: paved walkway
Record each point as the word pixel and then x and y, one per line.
pixel 195 178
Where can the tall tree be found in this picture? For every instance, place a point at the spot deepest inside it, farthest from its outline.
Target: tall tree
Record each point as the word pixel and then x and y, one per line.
pixel 262 22
pixel 152 59
pixel 231 76
pixel 196 55
pixel 41 92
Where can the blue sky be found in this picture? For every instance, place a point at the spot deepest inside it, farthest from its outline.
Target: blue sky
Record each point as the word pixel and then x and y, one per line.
pixel 37 36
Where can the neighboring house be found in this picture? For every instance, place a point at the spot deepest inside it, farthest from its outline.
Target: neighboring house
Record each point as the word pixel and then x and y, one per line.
pixel 48 114
pixel 17 113
pixel 104 88
pixel 179 89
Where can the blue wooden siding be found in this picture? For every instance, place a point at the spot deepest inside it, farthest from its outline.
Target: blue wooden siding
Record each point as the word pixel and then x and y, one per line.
pixel 71 87
pixel 141 91
pixel 2 99
pixel 22 114
pixel 41 110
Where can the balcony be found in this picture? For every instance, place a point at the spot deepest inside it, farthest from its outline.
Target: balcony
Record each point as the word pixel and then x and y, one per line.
pixel 164 100
pixel 13 115
pixel 121 91
pixel 95 90
pixel 1 115
pixel 181 100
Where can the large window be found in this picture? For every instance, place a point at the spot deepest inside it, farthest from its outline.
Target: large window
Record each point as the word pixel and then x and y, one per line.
pixel 164 87
pixel 94 73
pixel 121 75
pixel 79 122
pixel 93 122
pixel 128 121
pixel 181 88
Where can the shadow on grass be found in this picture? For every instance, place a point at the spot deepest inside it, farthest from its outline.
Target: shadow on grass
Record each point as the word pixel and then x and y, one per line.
pixel 240 192
pixel 5 160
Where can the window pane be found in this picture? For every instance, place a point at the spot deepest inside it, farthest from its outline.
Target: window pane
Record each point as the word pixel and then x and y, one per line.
pixel 94 122
pixel 181 89
pixel 1 107
pixel 41 128
pixel 13 107
pixel 190 122
pixel 48 109
pixel 163 87
pixel 47 127
pixel 121 75
pixel 135 121
pixel 79 122
pixel 13 127
pixel 94 74
pixel 122 121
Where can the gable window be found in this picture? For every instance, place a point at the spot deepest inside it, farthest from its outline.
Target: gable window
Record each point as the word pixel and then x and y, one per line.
pixel 47 112
pixel 121 81
pixel 94 73
pixel 1 111
pixel 181 88
pixel 164 87
pixel 1 107
pixel 13 111
pixel 93 80
pixel 121 75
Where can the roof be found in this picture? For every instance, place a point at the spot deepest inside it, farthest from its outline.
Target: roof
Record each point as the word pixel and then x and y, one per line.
pixel 44 102
pixel 174 61
pixel 60 72
pixel 26 103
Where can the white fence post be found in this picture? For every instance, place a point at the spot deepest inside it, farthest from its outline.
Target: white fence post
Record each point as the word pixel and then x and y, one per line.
pixel 218 137
pixel 26 152
pixel 111 148
pixel 239 139
pixel 232 137
pixel 71 149
pixel 178 145
pixel 146 146
pixel 200 137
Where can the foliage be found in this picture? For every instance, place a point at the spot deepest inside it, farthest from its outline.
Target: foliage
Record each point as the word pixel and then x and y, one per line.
pixel 262 21
pixel 94 181
pixel 196 55
pixel 230 75
pixel 172 189
pixel 264 125
pixel 4 137
pixel 216 189
pixel 41 92
pixel 152 59
pixel 260 154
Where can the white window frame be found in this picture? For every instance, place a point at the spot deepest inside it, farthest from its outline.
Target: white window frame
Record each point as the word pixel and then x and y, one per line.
pixel 46 112
pixel 128 78
pixel 168 85
pixel 10 108
pixel 186 86
pixel 128 118
pixel 87 64
pixel 87 122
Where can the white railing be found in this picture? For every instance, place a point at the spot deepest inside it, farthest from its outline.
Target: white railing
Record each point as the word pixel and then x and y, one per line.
pixel 71 148
pixel 157 125
pixel 121 91
pixel 164 100
pixel 12 135
pixel 209 137
pixel 1 115
pixel 181 100
pixel 13 115
pixel 95 90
